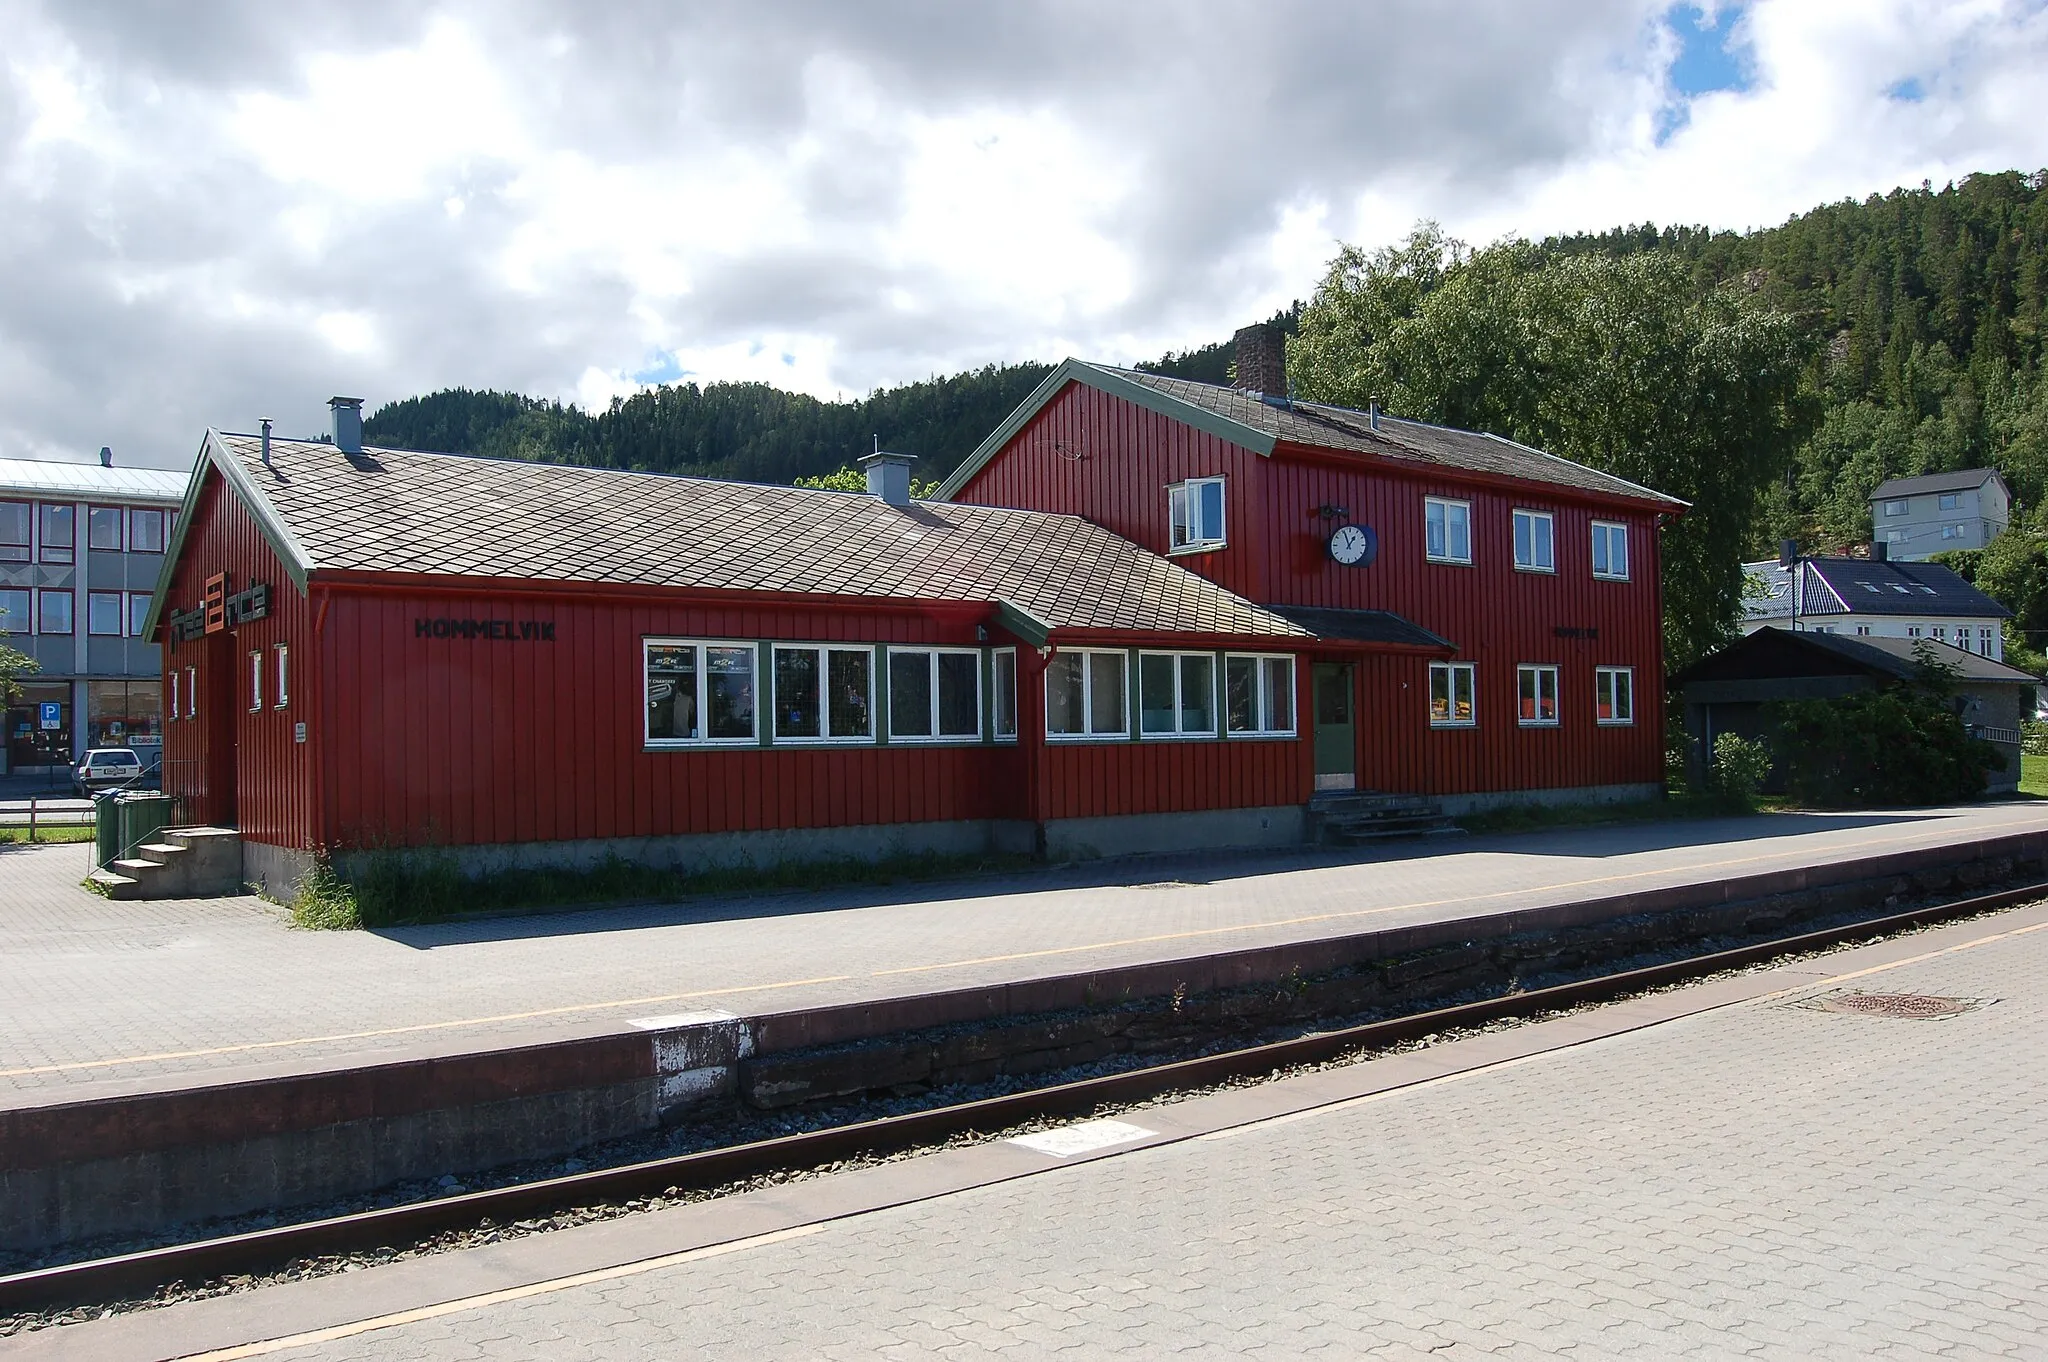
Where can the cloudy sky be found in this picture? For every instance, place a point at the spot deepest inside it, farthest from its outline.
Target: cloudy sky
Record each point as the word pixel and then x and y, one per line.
pixel 236 211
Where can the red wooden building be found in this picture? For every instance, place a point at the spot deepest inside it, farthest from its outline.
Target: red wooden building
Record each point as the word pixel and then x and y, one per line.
pixel 1145 614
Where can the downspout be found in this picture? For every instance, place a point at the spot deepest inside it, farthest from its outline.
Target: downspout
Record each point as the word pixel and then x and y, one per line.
pixel 1031 734
pixel 316 731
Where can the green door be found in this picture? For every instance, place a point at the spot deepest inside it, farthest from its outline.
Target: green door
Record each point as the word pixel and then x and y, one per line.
pixel 1336 733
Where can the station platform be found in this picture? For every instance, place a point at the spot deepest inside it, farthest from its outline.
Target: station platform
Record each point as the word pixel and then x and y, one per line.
pixel 112 999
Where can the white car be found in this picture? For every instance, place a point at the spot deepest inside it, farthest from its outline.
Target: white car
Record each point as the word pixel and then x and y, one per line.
pixel 106 768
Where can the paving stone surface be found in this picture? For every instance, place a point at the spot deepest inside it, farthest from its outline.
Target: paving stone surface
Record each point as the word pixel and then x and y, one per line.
pixel 93 992
pixel 1761 1180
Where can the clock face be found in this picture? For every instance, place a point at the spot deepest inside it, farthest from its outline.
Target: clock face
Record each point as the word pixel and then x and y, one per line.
pixel 1354 545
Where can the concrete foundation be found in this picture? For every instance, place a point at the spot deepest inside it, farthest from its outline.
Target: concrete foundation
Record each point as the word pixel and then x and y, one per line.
pixel 1457 806
pixel 1280 825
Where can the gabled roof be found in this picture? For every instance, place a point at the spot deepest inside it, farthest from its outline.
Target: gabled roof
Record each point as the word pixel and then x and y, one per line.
pixel 1253 422
pixel 1782 652
pixel 398 511
pixel 50 477
pixel 1862 586
pixel 1964 480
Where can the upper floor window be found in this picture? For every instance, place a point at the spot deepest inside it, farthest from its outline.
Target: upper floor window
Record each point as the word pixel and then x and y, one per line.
pixel 1258 695
pixel 53 612
pixel 1450 695
pixel 1449 530
pixel 934 693
pixel 13 610
pixel 1533 549
pixel 1538 687
pixel 14 531
pixel 1895 507
pixel 59 532
pixel 103 528
pixel 103 613
pixel 700 692
pixel 1195 508
pixel 1084 695
pixel 145 530
pixel 1951 501
pixel 138 612
pixel 1177 695
pixel 1610 550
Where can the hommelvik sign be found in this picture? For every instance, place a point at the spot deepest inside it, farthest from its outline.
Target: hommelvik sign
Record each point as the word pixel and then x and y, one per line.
pixel 488 631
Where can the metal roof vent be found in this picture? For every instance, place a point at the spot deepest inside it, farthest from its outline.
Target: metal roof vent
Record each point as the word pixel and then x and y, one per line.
pixel 348 423
pixel 888 475
pixel 106 456
pixel 266 441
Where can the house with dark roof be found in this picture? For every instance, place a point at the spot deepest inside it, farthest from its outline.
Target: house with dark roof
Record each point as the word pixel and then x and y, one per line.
pixel 1144 614
pixel 1915 518
pixel 1875 597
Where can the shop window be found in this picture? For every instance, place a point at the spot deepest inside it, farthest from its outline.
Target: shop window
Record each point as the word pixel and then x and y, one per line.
pixel 699 693
pixel 934 694
pixel 53 612
pixel 1534 550
pixel 1610 550
pixel 103 613
pixel 124 713
pixel 14 616
pixel 1448 530
pixel 14 531
pixel 103 528
pixel 1258 695
pixel 1177 695
pixel 1450 695
pixel 138 612
pixel 283 656
pixel 255 681
pixel 58 534
pixel 1614 695
pixel 1004 700
pixel 1536 687
pixel 1084 695
pixel 824 694
pixel 145 530
pixel 1195 510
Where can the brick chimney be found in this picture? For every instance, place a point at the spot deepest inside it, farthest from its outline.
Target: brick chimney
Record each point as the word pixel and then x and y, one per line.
pixel 1262 360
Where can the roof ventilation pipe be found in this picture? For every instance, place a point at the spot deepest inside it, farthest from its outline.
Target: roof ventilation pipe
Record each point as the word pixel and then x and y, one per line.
pixel 888 475
pixel 1880 552
pixel 106 456
pixel 348 423
pixel 266 441
pixel 1261 354
pixel 1372 413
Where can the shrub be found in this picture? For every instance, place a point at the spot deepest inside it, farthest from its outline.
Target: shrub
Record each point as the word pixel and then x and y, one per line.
pixel 1901 744
pixel 1740 767
pixel 2034 737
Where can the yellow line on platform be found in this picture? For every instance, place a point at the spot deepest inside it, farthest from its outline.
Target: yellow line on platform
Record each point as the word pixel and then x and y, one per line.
pixel 1193 934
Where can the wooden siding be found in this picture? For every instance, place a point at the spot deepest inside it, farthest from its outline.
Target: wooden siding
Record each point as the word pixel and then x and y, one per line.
pixel 272 796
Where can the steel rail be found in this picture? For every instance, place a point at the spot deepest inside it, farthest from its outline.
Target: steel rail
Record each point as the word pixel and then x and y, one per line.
pixel 131 1275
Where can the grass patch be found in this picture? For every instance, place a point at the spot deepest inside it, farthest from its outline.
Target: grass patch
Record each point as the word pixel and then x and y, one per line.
pixel 2034 775
pixel 1535 817
pixel 45 833
pixel 411 888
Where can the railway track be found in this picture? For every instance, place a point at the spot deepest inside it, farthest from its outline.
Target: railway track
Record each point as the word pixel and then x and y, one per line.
pixel 142 1274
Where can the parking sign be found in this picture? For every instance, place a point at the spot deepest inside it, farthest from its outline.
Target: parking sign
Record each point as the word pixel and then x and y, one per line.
pixel 52 714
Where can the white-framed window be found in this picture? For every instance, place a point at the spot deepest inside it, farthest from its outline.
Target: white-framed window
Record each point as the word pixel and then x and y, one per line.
pixel 14 613
pixel 1862 628
pixel 700 693
pixel 1084 694
pixel 103 613
pixel 53 612
pixel 255 680
pixel 1258 695
pixel 1447 528
pixel 1536 690
pixel 1451 686
pixel 58 533
pixel 1951 501
pixel 103 528
pixel 1194 510
pixel 1912 631
pixel 1614 695
pixel 1895 507
pixel 823 693
pixel 934 694
pixel 1984 641
pixel 191 692
pixel 1941 633
pixel 1003 695
pixel 145 530
pixel 1610 550
pixel 138 612
pixel 1176 695
pixel 171 710
pixel 1894 536
pixel 16 524
pixel 1534 549
pixel 282 653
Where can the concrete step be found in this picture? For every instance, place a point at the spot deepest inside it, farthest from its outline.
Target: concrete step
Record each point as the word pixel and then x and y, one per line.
pixel 117 885
pixel 161 852
pixel 1349 818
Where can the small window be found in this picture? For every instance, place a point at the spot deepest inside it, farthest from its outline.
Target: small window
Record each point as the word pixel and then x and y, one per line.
pixel 103 613
pixel 1894 536
pixel 1951 501
pixel 1614 695
pixel 1912 631
pixel 1862 628
pixel 700 693
pixel 1177 695
pixel 1450 695
pixel 1195 511
pixel 283 655
pixel 824 694
pixel 103 528
pixel 14 531
pixel 1941 633
pixel 255 681
pixel 1084 695
pixel 1004 701
pixel 14 616
pixel 145 530
pixel 1895 508
pixel 171 711
pixel 1258 695
pixel 934 694
pixel 53 612
pixel 1984 639
pixel 191 692
pixel 1533 549
pixel 1537 687
pixel 59 534
pixel 1952 531
pixel 138 612
pixel 1448 529
pixel 1610 552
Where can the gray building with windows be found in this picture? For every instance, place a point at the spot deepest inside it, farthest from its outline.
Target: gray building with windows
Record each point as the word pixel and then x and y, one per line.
pixel 80 549
pixel 1916 518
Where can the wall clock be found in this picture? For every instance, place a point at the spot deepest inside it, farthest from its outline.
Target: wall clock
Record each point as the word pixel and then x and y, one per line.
pixel 1354 545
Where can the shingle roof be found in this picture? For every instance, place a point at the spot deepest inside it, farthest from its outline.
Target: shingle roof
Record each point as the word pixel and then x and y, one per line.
pixel 1775 651
pixel 1901 656
pixel 393 510
pixel 1860 586
pixel 1361 626
pixel 1963 480
pixel 49 477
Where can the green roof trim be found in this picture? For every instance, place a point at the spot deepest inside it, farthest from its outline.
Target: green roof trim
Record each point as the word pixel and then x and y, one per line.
pixel 1026 626
pixel 212 455
pixel 1102 380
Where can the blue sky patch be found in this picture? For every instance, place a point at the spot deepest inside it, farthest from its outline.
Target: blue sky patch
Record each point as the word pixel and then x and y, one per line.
pixel 664 367
pixel 1910 90
pixel 1704 63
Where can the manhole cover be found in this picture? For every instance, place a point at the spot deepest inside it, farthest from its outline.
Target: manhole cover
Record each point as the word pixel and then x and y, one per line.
pixel 1912 1006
